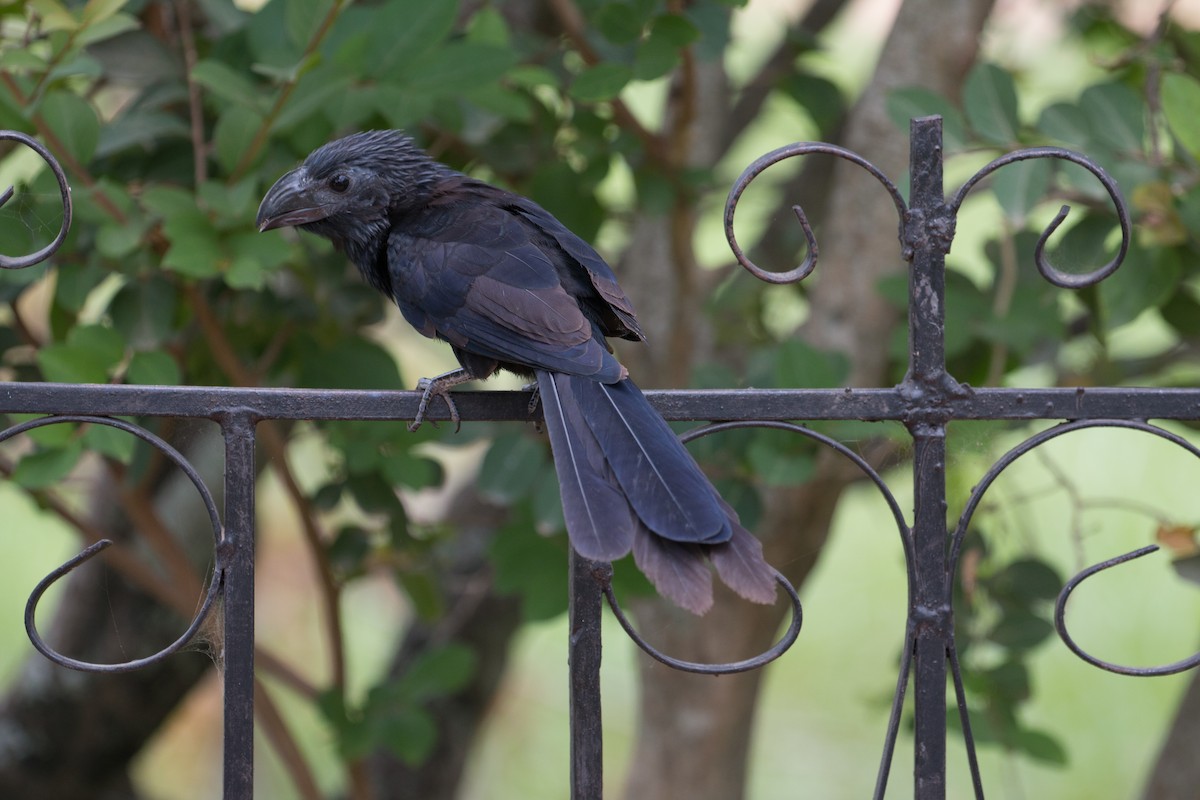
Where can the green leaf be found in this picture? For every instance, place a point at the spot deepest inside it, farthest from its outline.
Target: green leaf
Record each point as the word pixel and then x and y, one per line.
pixel 309 98
pixel 223 81
pixel 1021 630
pixel 116 240
pixel 1116 114
pixel 76 285
pixel 511 467
pixel 1182 312
pixel 1040 746
pixel 107 440
pixel 1024 582
pixel 410 734
pixel 778 465
pixel 353 362
pixel 1008 681
pixel 676 29
pixel 87 355
pixel 990 102
pixel 301 18
pixel 107 29
pixel 531 566
pixel 403 31
pixel 165 202
pixel 235 203
pixel 233 135
pixel 195 250
pixel 488 26
pixel 913 102
pixel 620 23
pixel 99 10
pixel 245 273
pixel 47 437
pixel 404 468
pixel 423 593
pixel 601 82
pixel 349 549
pixel 531 75
pixel 372 493
pixel 1146 279
pixel 1084 247
pixel 153 367
pixel 53 15
pixel 139 128
pixel 1181 106
pixel 505 103
pixel 144 312
pixel 46 467
pixel 655 57
pixel 458 67
pixel 74 121
pixel 823 100
pixel 438 672
pixel 1020 186
pixel 1067 123
pixel 77 65
pixel 565 194
pixel 801 366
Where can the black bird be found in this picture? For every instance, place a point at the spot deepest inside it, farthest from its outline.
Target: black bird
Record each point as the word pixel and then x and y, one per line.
pixel 508 287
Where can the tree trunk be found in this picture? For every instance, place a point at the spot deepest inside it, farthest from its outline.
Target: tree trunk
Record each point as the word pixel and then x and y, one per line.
pixel 1176 774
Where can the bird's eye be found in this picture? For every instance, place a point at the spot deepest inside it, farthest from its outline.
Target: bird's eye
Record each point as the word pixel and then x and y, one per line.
pixel 339 183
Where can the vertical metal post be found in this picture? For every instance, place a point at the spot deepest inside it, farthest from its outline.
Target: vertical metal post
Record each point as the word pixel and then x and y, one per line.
pixel 238 557
pixel 928 232
pixel 587 732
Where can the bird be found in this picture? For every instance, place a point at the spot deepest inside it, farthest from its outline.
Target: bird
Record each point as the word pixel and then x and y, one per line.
pixel 509 287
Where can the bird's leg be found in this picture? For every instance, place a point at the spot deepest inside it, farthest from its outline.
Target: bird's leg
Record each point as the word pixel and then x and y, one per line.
pixel 440 386
pixel 535 402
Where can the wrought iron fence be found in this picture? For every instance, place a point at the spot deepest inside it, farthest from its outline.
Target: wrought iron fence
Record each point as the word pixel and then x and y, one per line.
pixel 925 402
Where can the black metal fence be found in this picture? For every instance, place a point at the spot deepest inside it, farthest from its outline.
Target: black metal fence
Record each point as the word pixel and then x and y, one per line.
pixel 924 402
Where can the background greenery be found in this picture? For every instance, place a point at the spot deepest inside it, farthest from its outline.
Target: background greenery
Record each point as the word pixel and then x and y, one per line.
pixel 172 118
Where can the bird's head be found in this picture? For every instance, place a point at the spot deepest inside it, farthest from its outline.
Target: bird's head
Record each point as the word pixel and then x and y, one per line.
pixel 347 189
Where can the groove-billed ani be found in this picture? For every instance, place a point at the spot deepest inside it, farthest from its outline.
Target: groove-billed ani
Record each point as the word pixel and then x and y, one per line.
pixel 509 287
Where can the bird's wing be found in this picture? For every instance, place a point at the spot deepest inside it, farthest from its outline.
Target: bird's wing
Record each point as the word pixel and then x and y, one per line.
pixel 597 270
pixel 479 277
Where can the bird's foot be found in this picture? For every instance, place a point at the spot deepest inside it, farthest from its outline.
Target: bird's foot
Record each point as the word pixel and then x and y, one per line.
pixel 439 386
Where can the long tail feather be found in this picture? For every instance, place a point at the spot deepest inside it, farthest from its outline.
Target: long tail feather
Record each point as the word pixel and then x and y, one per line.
pixel 741 566
pixel 664 484
pixel 676 569
pixel 599 519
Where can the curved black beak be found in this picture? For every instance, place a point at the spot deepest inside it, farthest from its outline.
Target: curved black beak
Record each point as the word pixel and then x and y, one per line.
pixel 289 202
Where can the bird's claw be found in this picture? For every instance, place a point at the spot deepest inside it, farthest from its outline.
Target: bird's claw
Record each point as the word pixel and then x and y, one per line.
pixel 431 388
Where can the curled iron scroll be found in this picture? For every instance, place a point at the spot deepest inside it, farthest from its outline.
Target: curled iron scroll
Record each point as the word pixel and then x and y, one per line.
pixel 1065 280
pixel 1060 623
pixel 1061 605
pixel 214 586
pixel 789 637
pixel 775 156
pixel 21 262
